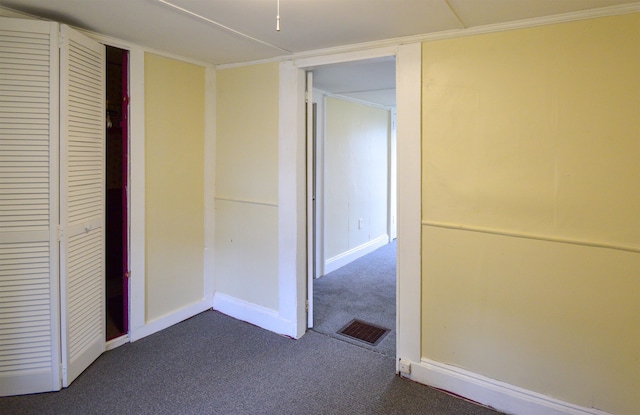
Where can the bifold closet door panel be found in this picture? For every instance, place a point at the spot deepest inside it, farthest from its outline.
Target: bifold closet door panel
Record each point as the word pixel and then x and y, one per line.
pixel 82 194
pixel 29 307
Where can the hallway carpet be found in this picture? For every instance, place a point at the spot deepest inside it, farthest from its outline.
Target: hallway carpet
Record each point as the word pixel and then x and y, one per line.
pixel 214 364
pixel 364 289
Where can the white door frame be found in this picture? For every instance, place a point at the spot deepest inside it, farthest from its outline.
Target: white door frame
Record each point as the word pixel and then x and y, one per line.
pixel 311 197
pixel 136 208
pixel 139 326
pixel 292 191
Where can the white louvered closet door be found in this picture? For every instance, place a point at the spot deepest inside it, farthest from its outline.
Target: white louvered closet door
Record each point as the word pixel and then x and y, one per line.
pixel 29 312
pixel 82 196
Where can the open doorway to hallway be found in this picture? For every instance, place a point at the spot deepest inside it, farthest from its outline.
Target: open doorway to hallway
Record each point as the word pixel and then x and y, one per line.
pixel 355 215
pixel 365 291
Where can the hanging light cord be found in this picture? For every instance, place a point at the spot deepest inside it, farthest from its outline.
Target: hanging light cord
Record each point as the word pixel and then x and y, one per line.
pixel 278 15
pixel 219 25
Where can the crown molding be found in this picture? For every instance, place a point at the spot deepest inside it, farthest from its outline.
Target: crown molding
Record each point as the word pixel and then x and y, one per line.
pixel 8 12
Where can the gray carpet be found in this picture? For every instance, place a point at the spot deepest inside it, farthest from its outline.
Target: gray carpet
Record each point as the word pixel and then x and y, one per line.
pixel 364 289
pixel 214 364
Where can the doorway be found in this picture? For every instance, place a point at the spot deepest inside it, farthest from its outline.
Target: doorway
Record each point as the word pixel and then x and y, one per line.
pixel 116 209
pixel 292 249
pixel 354 197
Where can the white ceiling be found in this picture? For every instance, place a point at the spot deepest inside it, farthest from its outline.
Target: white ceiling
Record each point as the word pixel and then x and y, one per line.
pixel 372 80
pixel 232 31
pixel 235 31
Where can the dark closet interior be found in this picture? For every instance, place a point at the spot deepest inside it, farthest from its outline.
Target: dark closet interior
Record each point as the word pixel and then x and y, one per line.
pixel 116 151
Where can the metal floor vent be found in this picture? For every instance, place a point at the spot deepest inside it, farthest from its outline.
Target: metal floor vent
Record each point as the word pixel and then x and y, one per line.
pixel 365 332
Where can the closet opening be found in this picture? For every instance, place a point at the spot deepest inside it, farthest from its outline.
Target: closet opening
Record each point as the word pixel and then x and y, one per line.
pixel 116 209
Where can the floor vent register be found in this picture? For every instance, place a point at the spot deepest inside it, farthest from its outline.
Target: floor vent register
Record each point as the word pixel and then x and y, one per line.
pixel 364 332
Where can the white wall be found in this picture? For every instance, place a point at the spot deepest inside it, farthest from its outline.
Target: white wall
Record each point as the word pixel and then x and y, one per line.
pixel 356 176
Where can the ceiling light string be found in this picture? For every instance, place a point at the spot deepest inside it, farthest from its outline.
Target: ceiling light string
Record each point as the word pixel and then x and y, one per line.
pixel 220 26
pixel 278 15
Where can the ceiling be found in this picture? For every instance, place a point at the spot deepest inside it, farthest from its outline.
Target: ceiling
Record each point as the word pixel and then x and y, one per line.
pixel 232 31
pixel 236 31
pixel 372 80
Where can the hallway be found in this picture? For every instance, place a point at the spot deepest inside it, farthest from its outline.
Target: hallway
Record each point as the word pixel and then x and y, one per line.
pixel 364 289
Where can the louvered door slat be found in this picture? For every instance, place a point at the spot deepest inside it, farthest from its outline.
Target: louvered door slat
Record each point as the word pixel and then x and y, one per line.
pixel 24 101
pixel 27 325
pixel 12 69
pixel 29 345
pixel 17 174
pixel 82 197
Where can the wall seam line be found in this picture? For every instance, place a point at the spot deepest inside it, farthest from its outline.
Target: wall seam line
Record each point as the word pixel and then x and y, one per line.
pixel 245 201
pixel 529 236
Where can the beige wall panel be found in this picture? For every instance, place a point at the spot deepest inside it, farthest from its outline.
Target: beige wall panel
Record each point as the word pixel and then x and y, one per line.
pixel 247 184
pixel 559 319
pixel 247 133
pixel 535 132
pixel 174 171
pixel 247 252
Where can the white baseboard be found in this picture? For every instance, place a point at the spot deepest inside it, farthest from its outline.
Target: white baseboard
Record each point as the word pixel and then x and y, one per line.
pixel 169 320
pixel 499 395
pixel 351 255
pixel 117 342
pixel 252 313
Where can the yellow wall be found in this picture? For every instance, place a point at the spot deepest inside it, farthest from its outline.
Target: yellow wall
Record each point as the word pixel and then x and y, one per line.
pixel 356 175
pixel 535 134
pixel 174 187
pixel 246 216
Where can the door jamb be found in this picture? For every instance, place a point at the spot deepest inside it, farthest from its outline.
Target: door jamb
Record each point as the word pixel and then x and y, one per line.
pixel 292 191
pixel 136 180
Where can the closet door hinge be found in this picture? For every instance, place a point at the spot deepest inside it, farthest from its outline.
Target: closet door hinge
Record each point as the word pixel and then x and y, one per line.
pixel 60 232
pixel 60 40
pixel 306 306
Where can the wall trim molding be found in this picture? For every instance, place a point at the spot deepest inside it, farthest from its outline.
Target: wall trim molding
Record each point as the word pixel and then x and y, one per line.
pixel 209 191
pixel 7 12
pixel 490 392
pixel 169 320
pixel 117 342
pixel 254 314
pixel 356 100
pixel 344 258
pixel 523 235
pixel 292 257
pixel 535 21
pixel 137 183
pixel 246 201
